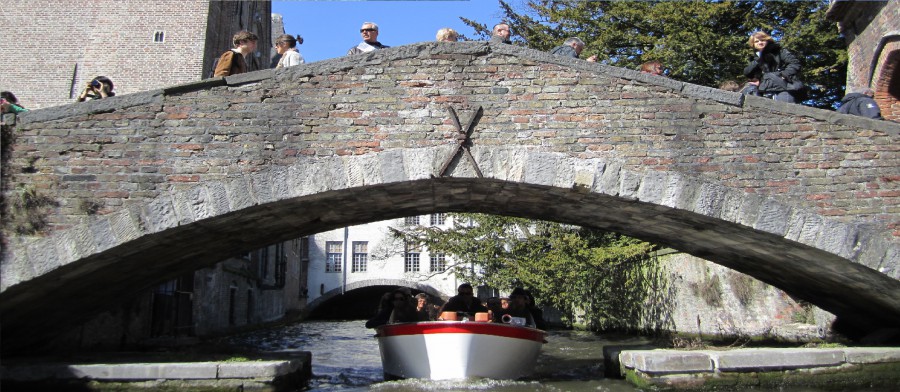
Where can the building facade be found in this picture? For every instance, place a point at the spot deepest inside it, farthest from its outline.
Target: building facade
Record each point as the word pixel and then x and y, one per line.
pixel 872 32
pixel 370 253
pixel 55 49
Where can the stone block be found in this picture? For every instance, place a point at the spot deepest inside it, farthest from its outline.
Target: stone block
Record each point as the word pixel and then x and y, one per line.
pixel 864 355
pixel 657 362
pixel 755 360
pixel 256 369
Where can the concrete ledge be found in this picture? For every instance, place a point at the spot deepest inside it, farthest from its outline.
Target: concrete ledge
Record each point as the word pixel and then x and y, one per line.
pixel 297 367
pixel 762 367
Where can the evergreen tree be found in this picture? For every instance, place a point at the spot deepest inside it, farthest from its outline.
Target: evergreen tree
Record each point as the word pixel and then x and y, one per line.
pixel 701 42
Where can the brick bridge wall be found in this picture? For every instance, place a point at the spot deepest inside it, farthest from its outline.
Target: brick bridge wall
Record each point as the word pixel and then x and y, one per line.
pixel 795 169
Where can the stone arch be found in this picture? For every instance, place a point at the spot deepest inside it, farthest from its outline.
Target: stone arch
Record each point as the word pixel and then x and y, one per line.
pixel 885 76
pixel 413 285
pixel 808 255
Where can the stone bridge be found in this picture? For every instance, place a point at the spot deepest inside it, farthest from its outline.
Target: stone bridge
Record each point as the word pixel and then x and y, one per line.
pixel 148 186
pixel 437 296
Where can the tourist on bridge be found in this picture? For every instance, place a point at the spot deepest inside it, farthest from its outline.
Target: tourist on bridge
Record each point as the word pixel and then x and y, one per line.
pixel 777 69
pixel 369 32
pixel 500 34
pixel 861 104
pixel 447 35
pixel 652 67
pixel 234 61
pixel 98 88
pixel 286 46
pixel 464 301
pixel 10 104
pixel 572 47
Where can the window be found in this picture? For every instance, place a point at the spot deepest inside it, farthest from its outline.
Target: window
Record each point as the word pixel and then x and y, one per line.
pixel 304 249
pixel 159 36
pixel 438 219
pixel 438 262
pixel 411 258
pixel 334 251
pixel 360 256
pixel 412 220
pixel 280 264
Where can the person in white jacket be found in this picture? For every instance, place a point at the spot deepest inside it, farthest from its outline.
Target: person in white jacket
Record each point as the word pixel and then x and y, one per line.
pixel 286 46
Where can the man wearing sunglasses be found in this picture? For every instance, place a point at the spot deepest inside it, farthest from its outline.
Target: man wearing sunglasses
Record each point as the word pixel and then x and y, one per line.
pixel 464 301
pixel 369 32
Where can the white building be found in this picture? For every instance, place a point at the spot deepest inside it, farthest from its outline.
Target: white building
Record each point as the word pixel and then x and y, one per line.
pixel 370 255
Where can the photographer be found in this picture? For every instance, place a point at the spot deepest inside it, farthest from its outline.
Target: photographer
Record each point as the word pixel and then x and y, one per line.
pixel 97 88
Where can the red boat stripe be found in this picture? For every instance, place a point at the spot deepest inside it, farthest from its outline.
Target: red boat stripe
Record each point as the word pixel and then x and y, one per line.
pixel 461 327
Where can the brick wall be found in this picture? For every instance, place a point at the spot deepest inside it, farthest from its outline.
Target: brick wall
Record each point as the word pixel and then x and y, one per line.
pixel 398 99
pixel 55 46
pixel 873 47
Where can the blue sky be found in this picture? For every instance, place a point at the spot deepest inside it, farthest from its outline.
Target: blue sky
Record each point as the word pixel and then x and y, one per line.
pixel 331 27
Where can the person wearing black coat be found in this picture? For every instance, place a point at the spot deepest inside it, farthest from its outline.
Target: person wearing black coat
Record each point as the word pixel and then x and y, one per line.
pixel 861 104
pixel 777 69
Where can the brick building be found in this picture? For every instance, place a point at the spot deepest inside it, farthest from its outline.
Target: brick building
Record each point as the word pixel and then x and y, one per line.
pixel 54 49
pixel 872 31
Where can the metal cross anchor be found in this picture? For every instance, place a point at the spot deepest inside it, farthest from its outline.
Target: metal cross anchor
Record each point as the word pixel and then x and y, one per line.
pixel 463 141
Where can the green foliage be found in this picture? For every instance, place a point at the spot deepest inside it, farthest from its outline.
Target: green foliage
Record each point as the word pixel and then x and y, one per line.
pixel 606 279
pixel 701 42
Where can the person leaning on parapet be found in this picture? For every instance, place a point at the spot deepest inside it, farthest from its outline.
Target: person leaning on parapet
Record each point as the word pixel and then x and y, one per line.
pixel 861 103
pixel 572 47
pixel 447 35
pixel 286 46
pixel 369 32
pixel 777 69
pixel 234 61
pixel 500 34
pixel 730 85
pixel 9 103
pixel 98 88
pixel 652 67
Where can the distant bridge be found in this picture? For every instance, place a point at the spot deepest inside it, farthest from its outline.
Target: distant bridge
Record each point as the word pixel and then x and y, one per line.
pixel 152 185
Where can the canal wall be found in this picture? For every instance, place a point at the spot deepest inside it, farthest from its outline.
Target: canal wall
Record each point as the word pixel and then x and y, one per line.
pixel 711 301
pixel 834 368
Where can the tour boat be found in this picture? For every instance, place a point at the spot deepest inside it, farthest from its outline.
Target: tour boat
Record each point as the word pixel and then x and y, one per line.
pixel 441 350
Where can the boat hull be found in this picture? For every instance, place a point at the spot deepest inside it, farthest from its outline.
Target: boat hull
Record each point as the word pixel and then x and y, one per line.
pixel 450 350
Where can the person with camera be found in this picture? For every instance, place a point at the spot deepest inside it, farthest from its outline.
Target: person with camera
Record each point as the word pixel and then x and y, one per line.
pixel 517 313
pixel 98 88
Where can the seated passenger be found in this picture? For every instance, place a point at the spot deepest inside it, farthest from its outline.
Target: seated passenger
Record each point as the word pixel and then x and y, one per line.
pixel 404 311
pixel 425 311
pixel 464 301
pixel 385 307
pixel 517 308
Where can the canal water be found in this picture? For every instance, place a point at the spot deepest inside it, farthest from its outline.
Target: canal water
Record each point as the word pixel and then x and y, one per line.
pixel 345 357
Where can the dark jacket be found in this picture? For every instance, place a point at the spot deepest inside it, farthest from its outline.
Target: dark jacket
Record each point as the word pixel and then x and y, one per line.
pixel 775 68
pixel 565 51
pixel 496 39
pixel 357 50
pixel 860 105
pixel 457 304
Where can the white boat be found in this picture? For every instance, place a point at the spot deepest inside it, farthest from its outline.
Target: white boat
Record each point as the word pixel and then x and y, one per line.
pixel 441 350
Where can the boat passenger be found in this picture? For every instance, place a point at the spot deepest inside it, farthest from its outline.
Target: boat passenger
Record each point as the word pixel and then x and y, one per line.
pixel 404 310
pixel 536 313
pixel 464 301
pixel 517 308
pixel 385 307
pixel 425 311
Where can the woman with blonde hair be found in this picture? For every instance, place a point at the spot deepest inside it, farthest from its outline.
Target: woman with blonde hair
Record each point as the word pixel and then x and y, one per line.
pixel 777 70
pixel 286 46
pixel 447 35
